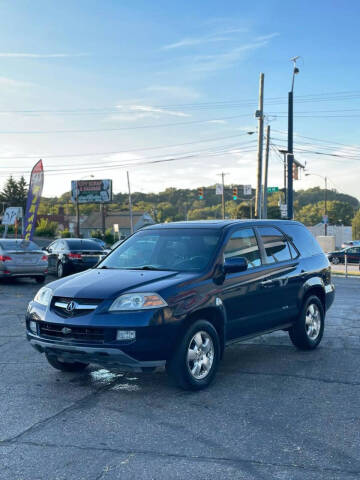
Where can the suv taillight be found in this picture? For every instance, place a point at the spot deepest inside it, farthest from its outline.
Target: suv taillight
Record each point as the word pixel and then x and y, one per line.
pixel 4 258
pixel 75 256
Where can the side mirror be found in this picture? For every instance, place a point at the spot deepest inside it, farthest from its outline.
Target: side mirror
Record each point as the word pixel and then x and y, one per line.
pixel 235 264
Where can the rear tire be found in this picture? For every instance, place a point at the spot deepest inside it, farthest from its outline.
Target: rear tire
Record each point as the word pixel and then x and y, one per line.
pixel 65 366
pixel 40 279
pixel 195 361
pixel 60 270
pixel 335 260
pixel 308 330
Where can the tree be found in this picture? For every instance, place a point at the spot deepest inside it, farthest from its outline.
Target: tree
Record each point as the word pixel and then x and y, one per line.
pixel 14 193
pixel 339 213
pixel 356 226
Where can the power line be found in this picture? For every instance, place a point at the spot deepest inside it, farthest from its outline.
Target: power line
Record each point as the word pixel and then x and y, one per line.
pixel 32 156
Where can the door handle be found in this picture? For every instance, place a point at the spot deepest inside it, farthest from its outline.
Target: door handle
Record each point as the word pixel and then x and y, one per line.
pixel 266 283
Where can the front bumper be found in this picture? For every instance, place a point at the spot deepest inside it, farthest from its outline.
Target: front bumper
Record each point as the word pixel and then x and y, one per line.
pixel 108 357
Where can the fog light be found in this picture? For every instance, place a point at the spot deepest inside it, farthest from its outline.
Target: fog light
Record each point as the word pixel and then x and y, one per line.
pixel 32 326
pixel 125 335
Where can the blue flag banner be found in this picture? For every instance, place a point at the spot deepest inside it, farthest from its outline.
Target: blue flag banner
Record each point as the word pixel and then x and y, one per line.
pixel 33 199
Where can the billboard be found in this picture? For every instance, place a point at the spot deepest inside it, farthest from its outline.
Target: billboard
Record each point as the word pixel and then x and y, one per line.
pixel 33 199
pixel 11 215
pixel 91 191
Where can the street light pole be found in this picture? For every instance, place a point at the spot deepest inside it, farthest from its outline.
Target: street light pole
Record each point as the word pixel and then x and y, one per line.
pixel 290 155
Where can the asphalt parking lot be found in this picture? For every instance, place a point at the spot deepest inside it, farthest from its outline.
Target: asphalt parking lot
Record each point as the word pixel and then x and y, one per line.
pixel 272 413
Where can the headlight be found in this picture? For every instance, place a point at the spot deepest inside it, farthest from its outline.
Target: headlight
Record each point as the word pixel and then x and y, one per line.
pixel 43 296
pixel 137 301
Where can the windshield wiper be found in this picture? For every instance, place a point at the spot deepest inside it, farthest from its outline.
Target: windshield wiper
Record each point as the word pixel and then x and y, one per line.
pixel 146 267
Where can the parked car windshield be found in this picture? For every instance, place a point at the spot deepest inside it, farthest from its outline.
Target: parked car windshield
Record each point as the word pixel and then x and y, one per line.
pixel 18 245
pixel 165 249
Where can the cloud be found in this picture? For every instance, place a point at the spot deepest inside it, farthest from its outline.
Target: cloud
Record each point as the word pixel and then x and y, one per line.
pixel 42 55
pixel 11 83
pixel 208 63
pixel 267 37
pixel 149 111
pixel 221 36
pixel 175 91
pixel 220 122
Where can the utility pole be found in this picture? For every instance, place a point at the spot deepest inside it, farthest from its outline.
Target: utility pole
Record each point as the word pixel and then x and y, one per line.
pixel 284 152
pixel 102 212
pixel 326 220
pixel 77 211
pixel 266 170
pixel 260 115
pixel 290 155
pixel 130 206
pixel 223 193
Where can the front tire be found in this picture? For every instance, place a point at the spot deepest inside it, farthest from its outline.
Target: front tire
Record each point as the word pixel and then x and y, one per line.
pixel 195 361
pixel 65 366
pixel 308 331
pixel 335 260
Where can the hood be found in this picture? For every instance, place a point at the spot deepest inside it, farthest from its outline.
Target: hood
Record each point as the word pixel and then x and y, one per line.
pixel 102 284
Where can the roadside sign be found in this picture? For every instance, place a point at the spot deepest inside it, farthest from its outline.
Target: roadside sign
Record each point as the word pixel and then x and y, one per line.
pixel 11 215
pixel 247 189
pixel 116 227
pixel 325 219
pixel 219 189
pixel 272 189
pixel 283 210
pixel 91 191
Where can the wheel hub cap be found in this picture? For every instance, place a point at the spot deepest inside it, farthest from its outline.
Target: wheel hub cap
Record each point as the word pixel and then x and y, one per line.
pixel 313 321
pixel 200 355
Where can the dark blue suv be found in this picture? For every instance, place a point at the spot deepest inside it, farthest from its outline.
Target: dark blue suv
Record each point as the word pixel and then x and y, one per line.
pixel 176 294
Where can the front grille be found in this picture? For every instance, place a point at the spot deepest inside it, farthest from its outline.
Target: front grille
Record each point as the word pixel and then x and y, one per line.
pixel 69 332
pixel 63 312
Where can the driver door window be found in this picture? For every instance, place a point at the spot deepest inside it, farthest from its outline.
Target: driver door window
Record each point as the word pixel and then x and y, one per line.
pixel 243 243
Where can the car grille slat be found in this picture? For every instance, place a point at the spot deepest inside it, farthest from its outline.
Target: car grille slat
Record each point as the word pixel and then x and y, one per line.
pixel 76 334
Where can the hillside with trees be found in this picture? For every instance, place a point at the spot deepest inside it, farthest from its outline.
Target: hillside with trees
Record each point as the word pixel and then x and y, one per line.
pixel 178 204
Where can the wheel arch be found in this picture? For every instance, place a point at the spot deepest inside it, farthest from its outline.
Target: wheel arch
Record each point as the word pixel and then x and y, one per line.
pixel 216 316
pixel 317 289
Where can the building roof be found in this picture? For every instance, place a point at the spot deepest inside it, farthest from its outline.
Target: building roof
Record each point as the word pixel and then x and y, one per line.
pixel 121 218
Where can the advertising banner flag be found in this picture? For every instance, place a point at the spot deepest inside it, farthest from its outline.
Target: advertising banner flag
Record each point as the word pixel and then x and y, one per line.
pixel 33 199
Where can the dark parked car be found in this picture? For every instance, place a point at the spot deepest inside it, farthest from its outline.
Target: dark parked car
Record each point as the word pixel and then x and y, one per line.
pixel 97 240
pixel 353 255
pixel 71 255
pixel 176 294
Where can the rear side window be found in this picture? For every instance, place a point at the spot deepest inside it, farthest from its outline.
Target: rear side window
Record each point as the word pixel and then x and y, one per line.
pixel 243 243
pixel 275 244
pixel 303 240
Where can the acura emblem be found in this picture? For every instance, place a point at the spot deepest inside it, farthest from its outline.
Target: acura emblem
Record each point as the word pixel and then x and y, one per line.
pixel 66 330
pixel 71 306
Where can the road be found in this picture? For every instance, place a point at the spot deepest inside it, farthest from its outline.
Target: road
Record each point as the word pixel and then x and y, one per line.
pixel 272 413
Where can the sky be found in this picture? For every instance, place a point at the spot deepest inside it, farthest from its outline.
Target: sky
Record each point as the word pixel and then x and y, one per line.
pixel 168 91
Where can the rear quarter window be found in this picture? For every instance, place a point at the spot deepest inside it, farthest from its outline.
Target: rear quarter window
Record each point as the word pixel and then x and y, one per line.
pixel 303 240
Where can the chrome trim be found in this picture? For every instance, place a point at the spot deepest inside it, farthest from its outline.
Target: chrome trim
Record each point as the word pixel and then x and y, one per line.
pixel 78 306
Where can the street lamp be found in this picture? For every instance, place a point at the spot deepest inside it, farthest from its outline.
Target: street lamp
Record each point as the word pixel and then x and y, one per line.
pixel 325 198
pixel 290 157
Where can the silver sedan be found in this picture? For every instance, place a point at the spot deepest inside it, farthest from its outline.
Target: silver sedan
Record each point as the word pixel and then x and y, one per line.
pixel 20 258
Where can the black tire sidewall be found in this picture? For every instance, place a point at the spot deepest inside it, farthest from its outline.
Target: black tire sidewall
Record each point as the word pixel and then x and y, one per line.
pixel 299 335
pixel 61 266
pixel 178 365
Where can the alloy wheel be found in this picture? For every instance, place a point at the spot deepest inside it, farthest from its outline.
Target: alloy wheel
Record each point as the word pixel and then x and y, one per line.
pixel 200 355
pixel 313 321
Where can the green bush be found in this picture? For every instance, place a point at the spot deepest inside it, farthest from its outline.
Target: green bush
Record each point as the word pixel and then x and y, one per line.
pixel 109 236
pixel 65 234
pixel 96 234
pixel 45 228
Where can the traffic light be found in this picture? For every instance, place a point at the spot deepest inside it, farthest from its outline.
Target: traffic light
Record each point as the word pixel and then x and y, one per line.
pixel 235 193
pixel 201 193
pixel 295 171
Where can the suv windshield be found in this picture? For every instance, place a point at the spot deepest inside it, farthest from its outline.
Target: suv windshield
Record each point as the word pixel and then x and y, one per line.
pixel 165 249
